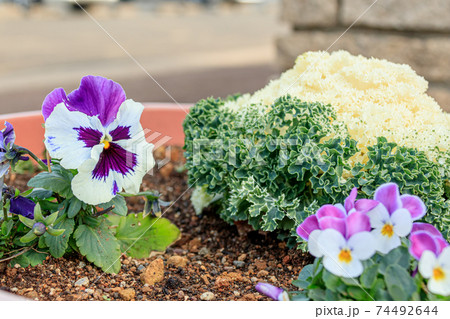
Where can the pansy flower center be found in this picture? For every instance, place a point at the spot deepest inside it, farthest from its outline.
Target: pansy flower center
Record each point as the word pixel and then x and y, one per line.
pixel 345 255
pixel 438 274
pixel 387 230
pixel 106 141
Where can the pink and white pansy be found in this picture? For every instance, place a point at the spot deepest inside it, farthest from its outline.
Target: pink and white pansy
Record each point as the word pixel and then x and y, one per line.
pixel 436 268
pixel 96 131
pixel 393 217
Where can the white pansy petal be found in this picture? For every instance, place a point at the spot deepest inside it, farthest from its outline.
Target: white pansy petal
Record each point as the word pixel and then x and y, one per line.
pixel 129 115
pixel 313 243
pixel 352 269
pixel 402 222
pixel 378 216
pixel 426 264
pixel 444 258
pixel 385 244
pixel 362 245
pixel 331 242
pixel 440 287
pixel 91 190
pixel 332 265
pixel 62 136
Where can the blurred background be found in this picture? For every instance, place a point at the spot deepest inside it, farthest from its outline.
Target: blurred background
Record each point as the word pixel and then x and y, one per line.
pixel 200 48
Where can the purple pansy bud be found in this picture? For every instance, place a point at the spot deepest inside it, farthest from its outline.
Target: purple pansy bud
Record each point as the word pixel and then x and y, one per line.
pixel 22 206
pixel 39 229
pixel 270 291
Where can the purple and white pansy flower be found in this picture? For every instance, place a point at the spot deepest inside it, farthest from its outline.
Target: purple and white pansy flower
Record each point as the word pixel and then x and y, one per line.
pixel 97 131
pixel 276 293
pixel 425 237
pixel 393 217
pixel 436 268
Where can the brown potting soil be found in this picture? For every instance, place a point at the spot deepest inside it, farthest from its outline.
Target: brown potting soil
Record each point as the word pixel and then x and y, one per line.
pixel 212 260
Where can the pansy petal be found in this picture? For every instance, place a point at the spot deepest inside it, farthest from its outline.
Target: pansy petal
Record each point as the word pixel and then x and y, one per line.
pixel 331 242
pixel 357 222
pixel 389 195
pixel 269 290
pixel 92 190
pixel 385 244
pixel 402 222
pixel 441 287
pixel 341 208
pixel 362 245
pixel 127 124
pixel 57 96
pixel 353 269
pixel 330 211
pixel 442 244
pixel 333 223
pixel 350 200
pixel 313 244
pixel 22 206
pixel 8 134
pixel 420 242
pixel 365 205
pixel 426 227
pixel 307 227
pixel 97 96
pixel 378 216
pixel 444 258
pixel 63 138
pixel 414 205
pixel 426 263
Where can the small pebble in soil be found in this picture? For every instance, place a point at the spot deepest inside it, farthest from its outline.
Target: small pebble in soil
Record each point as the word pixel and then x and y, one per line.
pixel 154 272
pixel 82 282
pixel 177 261
pixel 203 251
pixel 238 263
pixel 82 264
pixel 127 294
pixel 141 268
pixel 207 296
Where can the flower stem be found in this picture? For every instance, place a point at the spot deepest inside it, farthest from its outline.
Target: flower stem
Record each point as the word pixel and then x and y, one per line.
pixel 37 159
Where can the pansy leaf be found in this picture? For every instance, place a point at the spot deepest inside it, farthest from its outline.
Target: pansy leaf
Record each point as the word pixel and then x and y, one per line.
pixel 139 236
pixel 398 256
pixel 58 244
pixel 399 283
pixel 28 237
pixel 304 278
pixel 358 293
pixel 31 257
pixel 74 207
pixel 7 226
pixel 58 180
pixel 49 220
pixel 119 203
pixel 99 246
pixel 369 276
pixel 38 213
pixel 26 221
pixel 39 193
pixel 331 281
pixel 299 296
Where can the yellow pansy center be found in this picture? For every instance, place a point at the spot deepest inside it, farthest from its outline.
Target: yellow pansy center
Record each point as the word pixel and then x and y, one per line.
pixel 106 141
pixel 107 144
pixel 387 230
pixel 438 274
pixel 345 255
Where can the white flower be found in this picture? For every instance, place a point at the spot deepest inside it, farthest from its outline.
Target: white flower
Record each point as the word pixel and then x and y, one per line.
pixel 437 270
pixel 389 228
pixel 343 257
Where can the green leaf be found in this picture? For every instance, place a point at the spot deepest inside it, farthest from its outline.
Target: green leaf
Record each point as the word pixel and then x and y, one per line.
pixel 399 283
pixel 119 203
pixel 7 226
pixel 299 296
pixel 49 220
pixel 55 232
pixel 139 235
pixel 99 246
pixel 331 281
pixel 398 256
pixel 317 294
pixel 304 278
pixel 28 237
pixel 74 207
pixel 39 193
pixel 369 276
pixel 358 293
pixel 58 245
pixel 38 217
pixel 59 181
pixel 35 258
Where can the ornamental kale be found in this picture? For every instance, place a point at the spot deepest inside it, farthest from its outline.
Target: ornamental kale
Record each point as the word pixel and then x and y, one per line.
pixel 77 204
pixel 274 166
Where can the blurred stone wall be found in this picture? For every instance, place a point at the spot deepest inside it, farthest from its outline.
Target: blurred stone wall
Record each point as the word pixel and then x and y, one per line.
pixel 416 32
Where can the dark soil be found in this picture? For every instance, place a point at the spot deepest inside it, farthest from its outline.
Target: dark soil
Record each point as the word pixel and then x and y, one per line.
pixel 226 260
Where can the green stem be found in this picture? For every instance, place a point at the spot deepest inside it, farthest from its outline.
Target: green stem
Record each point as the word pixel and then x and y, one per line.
pixel 5 212
pixel 37 159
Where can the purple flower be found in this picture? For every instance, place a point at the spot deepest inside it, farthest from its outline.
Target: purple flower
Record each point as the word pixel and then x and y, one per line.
pixel 273 292
pixel 425 237
pixel 334 216
pixel 7 137
pixel 22 206
pixel 394 216
pixel 96 131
